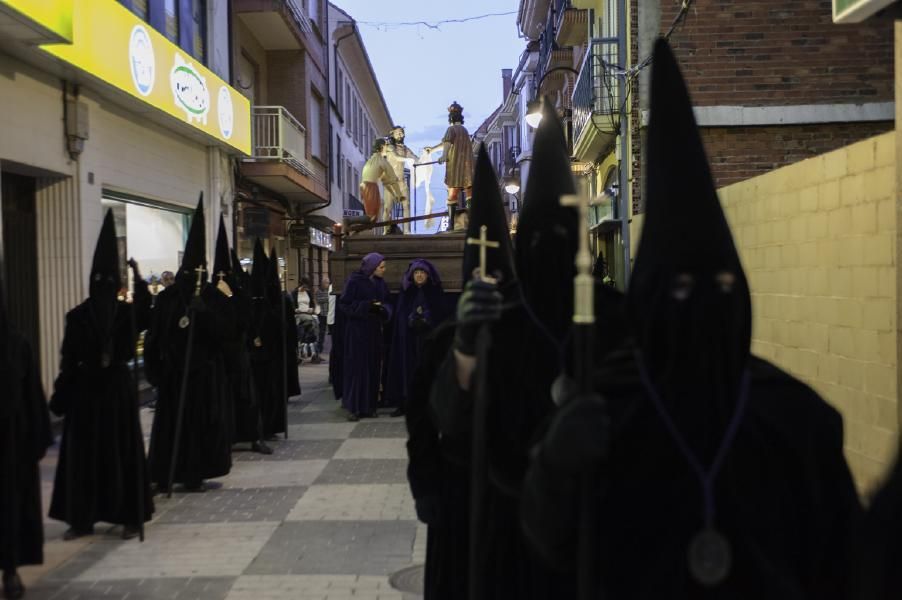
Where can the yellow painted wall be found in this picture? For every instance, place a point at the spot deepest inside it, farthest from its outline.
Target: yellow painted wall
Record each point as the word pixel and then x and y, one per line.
pixel 818 240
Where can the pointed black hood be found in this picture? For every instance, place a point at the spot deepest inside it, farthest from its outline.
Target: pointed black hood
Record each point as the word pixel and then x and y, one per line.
pixel 242 279
pixel 486 209
pixel 105 276
pixel 547 236
pixel 222 262
pixel 5 353
pixel 273 283
pixel 688 298
pixel 259 271
pixel 195 250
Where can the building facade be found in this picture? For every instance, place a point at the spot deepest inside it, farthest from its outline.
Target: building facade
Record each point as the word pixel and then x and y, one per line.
pixel 358 114
pixel 108 104
pixel 281 66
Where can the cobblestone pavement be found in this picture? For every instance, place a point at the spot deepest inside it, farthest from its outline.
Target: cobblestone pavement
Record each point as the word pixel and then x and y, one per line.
pixel 328 516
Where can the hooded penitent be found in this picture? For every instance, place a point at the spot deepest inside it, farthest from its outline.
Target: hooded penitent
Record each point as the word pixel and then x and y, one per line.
pixel 105 278
pixel 486 209
pixel 273 283
pixel 688 299
pixel 241 276
pixel 547 237
pixel 195 252
pixel 222 262
pixel 258 272
pixel 420 264
pixel 370 263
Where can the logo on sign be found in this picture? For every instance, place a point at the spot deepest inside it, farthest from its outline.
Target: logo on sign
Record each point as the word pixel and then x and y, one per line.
pixel 226 112
pixel 189 89
pixel 140 57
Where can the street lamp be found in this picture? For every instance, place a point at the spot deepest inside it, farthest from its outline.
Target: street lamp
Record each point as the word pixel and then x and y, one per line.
pixel 534 107
pixel 511 184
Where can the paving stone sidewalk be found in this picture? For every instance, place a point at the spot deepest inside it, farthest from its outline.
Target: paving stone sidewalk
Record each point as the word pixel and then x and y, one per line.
pixel 328 516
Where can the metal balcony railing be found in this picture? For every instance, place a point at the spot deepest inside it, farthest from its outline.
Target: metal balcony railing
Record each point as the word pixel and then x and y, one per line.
pixel 597 90
pixel 278 136
pixel 299 15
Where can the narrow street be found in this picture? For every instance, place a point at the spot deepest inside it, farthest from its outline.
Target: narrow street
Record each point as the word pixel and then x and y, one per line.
pixel 328 516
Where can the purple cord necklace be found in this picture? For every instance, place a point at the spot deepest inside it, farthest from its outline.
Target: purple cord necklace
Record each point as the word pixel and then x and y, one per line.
pixel 710 554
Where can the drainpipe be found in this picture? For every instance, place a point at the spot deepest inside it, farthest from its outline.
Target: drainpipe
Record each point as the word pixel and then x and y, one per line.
pixel 626 209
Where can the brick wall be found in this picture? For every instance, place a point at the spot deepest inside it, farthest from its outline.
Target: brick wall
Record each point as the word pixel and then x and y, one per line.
pixel 287 81
pixel 766 52
pixel 737 153
pixel 818 242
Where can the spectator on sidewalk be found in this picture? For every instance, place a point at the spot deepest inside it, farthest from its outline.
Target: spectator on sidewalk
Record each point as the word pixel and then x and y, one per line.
pixel 306 316
pixel 324 301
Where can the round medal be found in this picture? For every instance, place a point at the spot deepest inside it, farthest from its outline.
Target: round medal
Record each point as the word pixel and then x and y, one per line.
pixel 562 388
pixel 184 322
pixel 258 342
pixel 710 557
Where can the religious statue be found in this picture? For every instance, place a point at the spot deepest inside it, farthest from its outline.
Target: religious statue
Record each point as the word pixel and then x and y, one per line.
pixel 397 154
pixel 376 169
pixel 457 155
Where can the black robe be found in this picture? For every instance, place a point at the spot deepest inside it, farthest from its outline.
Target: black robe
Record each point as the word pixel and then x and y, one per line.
pixel 102 449
pixel 25 435
pixel 879 550
pixel 266 337
pixel 522 365
pixel 439 477
pixel 235 317
pixel 205 445
pixel 784 497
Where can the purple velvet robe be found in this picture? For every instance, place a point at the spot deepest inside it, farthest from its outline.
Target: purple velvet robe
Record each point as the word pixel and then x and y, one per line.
pixel 362 343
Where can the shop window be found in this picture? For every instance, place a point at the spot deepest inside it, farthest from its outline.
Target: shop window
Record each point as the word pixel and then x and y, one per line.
pixel 314 129
pixel 154 234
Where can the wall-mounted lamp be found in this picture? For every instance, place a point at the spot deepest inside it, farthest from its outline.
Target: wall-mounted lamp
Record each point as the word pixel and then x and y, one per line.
pixel 534 107
pixel 511 184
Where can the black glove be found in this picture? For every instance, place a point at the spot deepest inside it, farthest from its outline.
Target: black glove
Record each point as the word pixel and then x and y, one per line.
pixel 579 435
pixel 429 510
pixel 480 303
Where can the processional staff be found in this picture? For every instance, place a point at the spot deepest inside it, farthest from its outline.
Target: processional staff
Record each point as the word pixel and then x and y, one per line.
pixel 478 473
pixel 583 356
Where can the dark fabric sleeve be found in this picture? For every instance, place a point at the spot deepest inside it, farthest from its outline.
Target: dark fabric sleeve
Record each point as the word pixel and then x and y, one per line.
pixel 65 386
pixel 352 306
pixel 40 435
pixel 424 469
pixel 838 511
pixel 451 406
pixel 153 355
pixel 549 512
pixel 142 300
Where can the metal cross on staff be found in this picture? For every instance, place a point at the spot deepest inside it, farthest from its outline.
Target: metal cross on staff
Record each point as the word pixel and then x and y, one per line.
pixel 221 275
pixel 200 279
pixel 484 244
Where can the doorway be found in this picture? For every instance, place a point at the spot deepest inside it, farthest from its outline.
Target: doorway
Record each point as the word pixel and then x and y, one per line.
pixel 20 254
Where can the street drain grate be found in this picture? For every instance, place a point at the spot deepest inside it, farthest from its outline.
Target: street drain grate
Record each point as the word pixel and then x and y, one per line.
pixel 409 579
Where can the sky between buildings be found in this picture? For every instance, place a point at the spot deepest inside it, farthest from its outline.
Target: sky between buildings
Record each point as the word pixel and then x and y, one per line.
pixel 422 70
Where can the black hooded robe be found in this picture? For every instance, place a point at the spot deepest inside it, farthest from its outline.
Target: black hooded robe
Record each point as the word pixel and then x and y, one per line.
pixel 785 498
pixel 205 448
pixel 102 442
pixel 25 435
pixel 265 339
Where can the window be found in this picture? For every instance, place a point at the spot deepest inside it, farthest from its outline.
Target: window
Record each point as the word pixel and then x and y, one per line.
pixel 139 7
pixel 350 183
pixel 199 30
pixel 347 105
pixel 314 129
pixel 313 11
pixel 338 159
pixel 171 15
pixel 339 87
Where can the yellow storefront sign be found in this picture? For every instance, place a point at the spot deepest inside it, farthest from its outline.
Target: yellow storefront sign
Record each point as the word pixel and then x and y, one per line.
pixel 114 45
pixel 53 15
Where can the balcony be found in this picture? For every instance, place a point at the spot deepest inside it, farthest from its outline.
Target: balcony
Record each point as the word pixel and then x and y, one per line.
pixel 596 101
pixel 279 161
pixel 276 24
pixel 572 24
